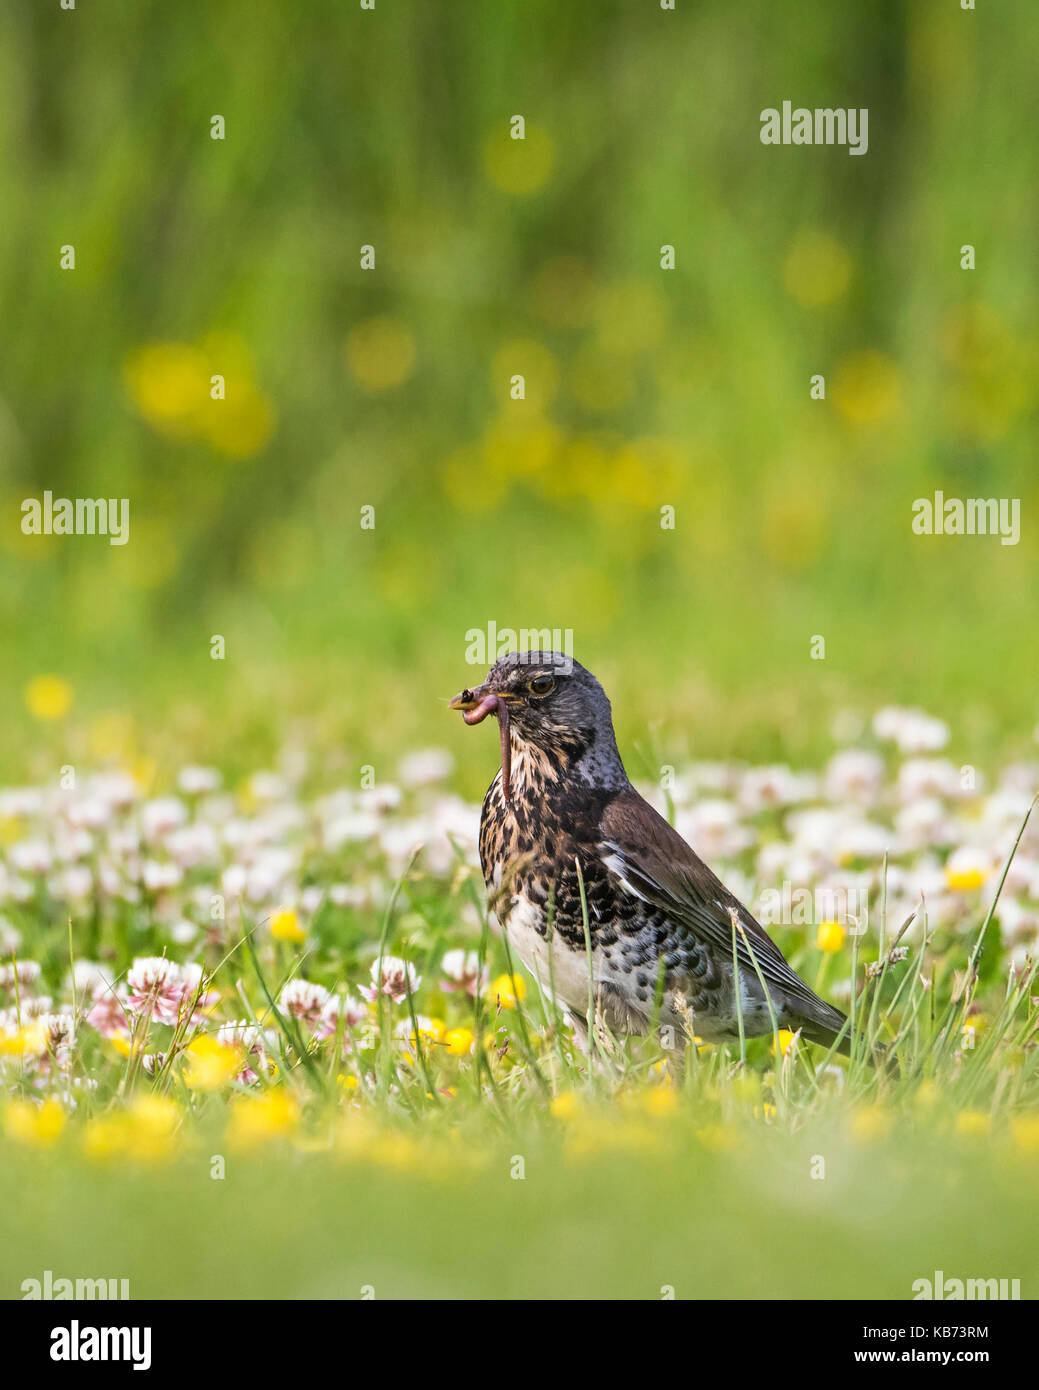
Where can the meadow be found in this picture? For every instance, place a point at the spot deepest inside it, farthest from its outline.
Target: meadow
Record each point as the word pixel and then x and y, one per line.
pixel 259 1041
pixel 272 274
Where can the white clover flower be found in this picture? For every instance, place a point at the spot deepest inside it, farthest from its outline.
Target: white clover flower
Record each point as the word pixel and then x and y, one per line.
pixel 31 857
pixel 160 877
pixel 23 972
pixel 10 938
pixel 161 816
pixel 854 774
pixel 303 1000
pixel 911 730
pixel 192 845
pixel 919 777
pixel 397 980
pixel 763 787
pixel 198 781
pixel 461 971
pixel 425 767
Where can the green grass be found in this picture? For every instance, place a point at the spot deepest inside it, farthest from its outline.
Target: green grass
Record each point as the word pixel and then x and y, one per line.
pixel 527 1170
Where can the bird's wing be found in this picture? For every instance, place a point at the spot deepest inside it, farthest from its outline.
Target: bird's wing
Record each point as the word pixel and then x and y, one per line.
pixel 653 862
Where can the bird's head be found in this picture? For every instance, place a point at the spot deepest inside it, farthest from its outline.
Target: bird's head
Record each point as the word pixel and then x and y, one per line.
pixel 545 699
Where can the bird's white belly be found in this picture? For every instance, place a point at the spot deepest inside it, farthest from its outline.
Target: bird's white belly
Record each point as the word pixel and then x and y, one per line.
pixel 561 972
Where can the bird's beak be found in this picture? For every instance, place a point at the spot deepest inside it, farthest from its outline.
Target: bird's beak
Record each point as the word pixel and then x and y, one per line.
pixel 476 705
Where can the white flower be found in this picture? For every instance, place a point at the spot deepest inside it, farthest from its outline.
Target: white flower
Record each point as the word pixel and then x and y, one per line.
pixel 303 1000
pixel 198 781
pixel 854 775
pixel 911 729
pixel 426 766
pixel 398 980
pixel 161 816
pixel 31 857
pixel 158 878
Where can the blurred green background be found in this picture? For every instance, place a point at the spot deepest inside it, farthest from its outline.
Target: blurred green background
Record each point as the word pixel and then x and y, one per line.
pixel 390 387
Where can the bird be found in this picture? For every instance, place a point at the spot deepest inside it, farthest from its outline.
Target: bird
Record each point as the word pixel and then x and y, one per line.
pixel 566 839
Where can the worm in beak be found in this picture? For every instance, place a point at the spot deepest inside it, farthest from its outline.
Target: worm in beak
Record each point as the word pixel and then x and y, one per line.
pixel 476 705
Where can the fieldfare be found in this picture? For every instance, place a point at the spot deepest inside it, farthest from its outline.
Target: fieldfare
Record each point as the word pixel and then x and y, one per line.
pixel 660 923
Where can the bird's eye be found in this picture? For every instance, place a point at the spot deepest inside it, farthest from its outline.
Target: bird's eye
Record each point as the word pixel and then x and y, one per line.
pixel 542 685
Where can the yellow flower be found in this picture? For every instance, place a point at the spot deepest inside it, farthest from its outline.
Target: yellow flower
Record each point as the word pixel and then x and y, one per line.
pixel 347 1082
pixel 786 1039
pixel 380 354
pixel 817 269
pixel 660 1101
pixel 255 1121
pixel 29 1041
pixel 829 936
pixel 717 1139
pixel 518 166
pixel 869 1124
pixel 972 1030
pixel 48 697
pixel 926 1094
pixel 748 1085
pixel 964 880
pixel 459 1041
pixel 564 1106
pixel 210 1064
pixel 145 1132
pixel 169 385
pixel 285 927
pixel 509 990
pixel 36 1125
pixel 973 1124
pixel 867 387
pixel 1024 1130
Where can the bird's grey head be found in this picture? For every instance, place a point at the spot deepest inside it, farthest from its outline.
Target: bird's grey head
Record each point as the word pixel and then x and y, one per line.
pixel 552 702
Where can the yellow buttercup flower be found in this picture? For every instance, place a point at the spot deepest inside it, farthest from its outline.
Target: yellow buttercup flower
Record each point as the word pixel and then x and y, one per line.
pixel 38 1126
pixel 1024 1131
pixel 964 880
pixel 829 936
pixel 509 990
pixel 718 1139
pixel 867 388
pixel 285 927
pixel 48 698
pixel 256 1121
pixel 145 1132
pixel 660 1101
pixel 210 1064
pixel 518 166
pixel 973 1124
pixel 459 1041
pixel 169 385
pixel 380 354
pixel 564 1106
pixel 28 1041
pixel 817 269
pixel 870 1124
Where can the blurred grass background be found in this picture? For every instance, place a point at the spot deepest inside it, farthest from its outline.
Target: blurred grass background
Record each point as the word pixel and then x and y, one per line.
pixel 748 1222
pixel 390 387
